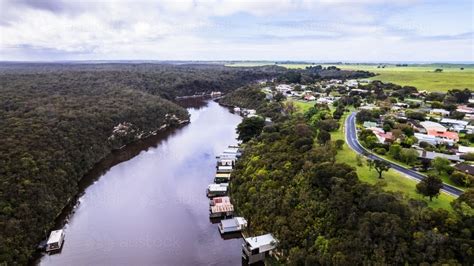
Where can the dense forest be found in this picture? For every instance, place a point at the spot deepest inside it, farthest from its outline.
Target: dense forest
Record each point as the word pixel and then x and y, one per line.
pixel 289 183
pixel 58 120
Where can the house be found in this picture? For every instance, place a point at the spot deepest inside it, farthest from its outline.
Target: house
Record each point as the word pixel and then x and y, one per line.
pixel 309 97
pixel 369 124
pixel 368 107
pixel 255 248
pixel 401 105
pixel 351 83
pixel 430 155
pixel 440 112
pixel 360 92
pixel 283 88
pixel 451 136
pixel 465 109
pixel 469 129
pixel 381 135
pixel 426 138
pixel 429 125
pixel 433 139
pixel 465 168
pixel 454 125
pixel 55 240
pixel 324 100
pixel 465 149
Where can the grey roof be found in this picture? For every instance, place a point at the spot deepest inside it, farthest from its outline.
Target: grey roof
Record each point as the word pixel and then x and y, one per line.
pixel 229 223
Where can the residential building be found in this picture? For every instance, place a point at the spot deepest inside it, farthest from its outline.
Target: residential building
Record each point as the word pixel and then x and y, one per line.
pixel 369 124
pixel 429 125
pixel 444 135
pixel 430 155
pixel 465 168
pixel 433 140
pixel 465 149
pixel 255 248
pixel 440 112
pixel 465 109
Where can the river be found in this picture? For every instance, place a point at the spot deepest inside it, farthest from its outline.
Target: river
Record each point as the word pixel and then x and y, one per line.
pixel 152 209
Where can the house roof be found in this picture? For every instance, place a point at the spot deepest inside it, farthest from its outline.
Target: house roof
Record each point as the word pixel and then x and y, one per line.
pixel 465 149
pixel 465 109
pixel 446 134
pixel 369 124
pixel 55 236
pixel 429 125
pixel 223 207
pixel 431 155
pixel 229 223
pixel 465 168
pixel 439 111
pixel 218 187
pixel 454 121
pixel 221 200
pixel 259 241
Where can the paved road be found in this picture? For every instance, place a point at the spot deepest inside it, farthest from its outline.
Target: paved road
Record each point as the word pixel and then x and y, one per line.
pixel 351 139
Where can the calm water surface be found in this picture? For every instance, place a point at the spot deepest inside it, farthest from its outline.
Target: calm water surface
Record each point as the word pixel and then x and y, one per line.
pixel 152 209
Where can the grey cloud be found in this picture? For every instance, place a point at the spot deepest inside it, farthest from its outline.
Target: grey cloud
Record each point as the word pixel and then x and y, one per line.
pixel 54 6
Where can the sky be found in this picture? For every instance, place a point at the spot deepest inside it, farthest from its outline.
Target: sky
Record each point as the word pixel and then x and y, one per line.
pixel 325 30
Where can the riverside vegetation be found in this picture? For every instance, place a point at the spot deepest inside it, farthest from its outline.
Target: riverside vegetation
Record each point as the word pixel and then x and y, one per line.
pixel 289 182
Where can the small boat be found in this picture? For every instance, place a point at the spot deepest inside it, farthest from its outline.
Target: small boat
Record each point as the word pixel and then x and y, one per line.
pixel 233 225
pixel 55 240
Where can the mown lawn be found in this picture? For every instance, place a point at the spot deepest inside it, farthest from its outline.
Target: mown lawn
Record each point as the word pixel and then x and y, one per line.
pixel 392 180
pixel 302 106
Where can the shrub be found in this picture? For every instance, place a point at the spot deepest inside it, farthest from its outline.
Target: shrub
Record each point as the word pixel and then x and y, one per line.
pixel 380 151
pixel 459 178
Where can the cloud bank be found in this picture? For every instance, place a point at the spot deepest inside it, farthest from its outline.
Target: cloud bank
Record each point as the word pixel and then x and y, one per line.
pixel 343 30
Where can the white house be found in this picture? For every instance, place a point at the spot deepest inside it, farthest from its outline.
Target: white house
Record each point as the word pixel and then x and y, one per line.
pixel 429 125
pixel 440 112
pixel 465 149
pixel 255 248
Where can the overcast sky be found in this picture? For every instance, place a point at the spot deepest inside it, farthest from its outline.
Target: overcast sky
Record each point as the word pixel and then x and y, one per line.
pixel 327 30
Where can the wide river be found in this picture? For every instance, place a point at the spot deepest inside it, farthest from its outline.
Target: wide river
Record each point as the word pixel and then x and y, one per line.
pixel 152 209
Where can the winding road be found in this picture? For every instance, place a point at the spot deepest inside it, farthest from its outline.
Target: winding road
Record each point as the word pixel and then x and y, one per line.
pixel 353 142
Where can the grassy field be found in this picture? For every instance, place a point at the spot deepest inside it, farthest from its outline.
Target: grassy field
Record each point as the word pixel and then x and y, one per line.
pixel 303 106
pixel 422 77
pixel 392 180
